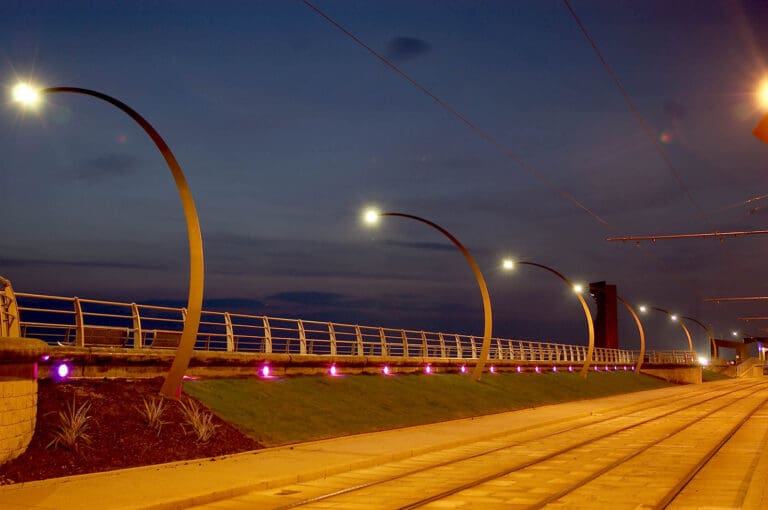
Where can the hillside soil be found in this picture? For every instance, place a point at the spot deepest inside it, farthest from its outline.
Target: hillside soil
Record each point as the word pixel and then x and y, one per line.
pixel 117 434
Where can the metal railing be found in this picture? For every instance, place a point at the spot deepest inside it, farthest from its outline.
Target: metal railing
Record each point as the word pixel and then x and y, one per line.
pixel 88 322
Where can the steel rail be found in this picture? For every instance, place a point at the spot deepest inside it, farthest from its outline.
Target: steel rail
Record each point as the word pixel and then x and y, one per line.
pixel 638 407
pixel 582 482
pixel 613 465
pixel 683 483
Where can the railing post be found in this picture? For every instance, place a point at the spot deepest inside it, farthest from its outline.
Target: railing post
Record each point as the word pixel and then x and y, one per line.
pixel 443 351
pixel 267 335
pixel 406 354
pixel 302 338
pixel 499 352
pixel 383 338
pixel 138 337
pixel 332 338
pixel 359 340
pixel 424 349
pixel 474 346
pixel 79 324
pixel 10 319
pixel 230 331
pixel 459 350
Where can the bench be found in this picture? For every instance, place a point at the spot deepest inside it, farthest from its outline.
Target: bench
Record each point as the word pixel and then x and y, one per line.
pixel 165 340
pixel 105 337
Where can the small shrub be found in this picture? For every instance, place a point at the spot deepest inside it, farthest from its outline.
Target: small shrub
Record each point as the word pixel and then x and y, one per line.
pixel 72 427
pixel 200 421
pixel 152 412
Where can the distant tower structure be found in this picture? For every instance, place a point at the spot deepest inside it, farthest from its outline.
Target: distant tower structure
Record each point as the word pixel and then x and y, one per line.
pixel 606 328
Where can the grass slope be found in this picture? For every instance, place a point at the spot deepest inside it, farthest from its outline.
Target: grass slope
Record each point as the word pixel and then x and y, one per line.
pixel 295 409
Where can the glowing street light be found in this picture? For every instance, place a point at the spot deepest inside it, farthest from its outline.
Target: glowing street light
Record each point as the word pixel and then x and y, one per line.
pixel 762 95
pixel 25 94
pixel 509 264
pixel 674 318
pixel 371 216
pixel 28 96
pixel 761 130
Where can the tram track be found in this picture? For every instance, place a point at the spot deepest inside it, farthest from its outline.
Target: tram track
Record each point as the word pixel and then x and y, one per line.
pixel 664 408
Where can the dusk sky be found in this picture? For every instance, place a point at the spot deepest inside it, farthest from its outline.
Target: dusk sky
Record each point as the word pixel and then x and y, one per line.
pixel 287 129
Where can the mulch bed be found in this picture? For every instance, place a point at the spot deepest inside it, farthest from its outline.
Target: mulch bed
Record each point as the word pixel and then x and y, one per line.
pixel 120 438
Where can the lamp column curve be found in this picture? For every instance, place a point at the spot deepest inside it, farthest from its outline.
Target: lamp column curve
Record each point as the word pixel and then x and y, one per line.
pixel 172 385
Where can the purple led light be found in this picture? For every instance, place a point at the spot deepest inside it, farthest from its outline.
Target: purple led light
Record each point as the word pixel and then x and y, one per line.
pixel 428 369
pixel 385 370
pixel 570 368
pixel 519 369
pixel 493 369
pixel 554 369
pixel 265 371
pixel 333 371
pixel 46 357
pixel 463 369
pixel 62 371
pixel 538 370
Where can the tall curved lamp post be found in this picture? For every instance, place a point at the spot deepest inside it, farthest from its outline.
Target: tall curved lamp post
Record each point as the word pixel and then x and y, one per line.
pixel 371 217
pixel 509 264
pixel 640 331
pixel 674 318
pixel 172 385
pixel 710 335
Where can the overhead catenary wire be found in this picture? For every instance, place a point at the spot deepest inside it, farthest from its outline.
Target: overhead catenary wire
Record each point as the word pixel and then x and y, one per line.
pixel 484 134
pixel 463 118
pixel 639 116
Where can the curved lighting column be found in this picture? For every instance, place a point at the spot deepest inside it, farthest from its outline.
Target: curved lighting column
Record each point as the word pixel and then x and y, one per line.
pixel 508 264
pixel 675 319
pixel 710 335
pixel 477 372
pixel 640 330
pixel 172 385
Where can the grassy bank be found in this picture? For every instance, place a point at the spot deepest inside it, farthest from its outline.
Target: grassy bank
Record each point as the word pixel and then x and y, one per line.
pixel 281 411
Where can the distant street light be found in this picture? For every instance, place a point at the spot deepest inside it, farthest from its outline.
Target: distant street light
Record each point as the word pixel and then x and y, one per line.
pixel 372 216
pixel 509 264
pixel 673 317
pixel 30 96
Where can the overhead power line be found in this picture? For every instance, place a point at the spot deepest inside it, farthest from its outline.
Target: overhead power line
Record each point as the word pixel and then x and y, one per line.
pixel 463 118
pixel 639 116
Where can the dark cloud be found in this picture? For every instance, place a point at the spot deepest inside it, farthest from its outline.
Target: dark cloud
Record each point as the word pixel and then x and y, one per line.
pixel 228 304
pixel 405 48
pixel 92 264
pixel 309 297
pixel 106 166
pixel 421 245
